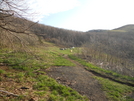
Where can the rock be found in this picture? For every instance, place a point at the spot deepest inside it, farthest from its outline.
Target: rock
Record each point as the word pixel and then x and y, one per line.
pixel 24 88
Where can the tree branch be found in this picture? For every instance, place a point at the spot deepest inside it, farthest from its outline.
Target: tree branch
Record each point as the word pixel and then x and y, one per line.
pixel 8 93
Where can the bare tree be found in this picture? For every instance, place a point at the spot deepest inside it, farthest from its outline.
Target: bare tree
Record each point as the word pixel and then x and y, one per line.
pixel 10 23
pixel 10 10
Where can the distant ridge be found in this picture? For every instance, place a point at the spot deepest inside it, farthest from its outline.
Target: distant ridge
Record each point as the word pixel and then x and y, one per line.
pixel 129 27
pixel 97 30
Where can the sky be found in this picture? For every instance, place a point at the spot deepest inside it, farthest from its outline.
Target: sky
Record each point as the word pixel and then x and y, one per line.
pixel 83 15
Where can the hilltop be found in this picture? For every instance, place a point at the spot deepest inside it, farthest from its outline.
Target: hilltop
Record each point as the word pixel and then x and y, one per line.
pixel 128 28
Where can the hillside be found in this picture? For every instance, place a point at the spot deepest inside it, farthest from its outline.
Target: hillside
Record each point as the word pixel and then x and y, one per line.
pixel 25 77
pixel 53 64
pixel 114 49
pixel 128 28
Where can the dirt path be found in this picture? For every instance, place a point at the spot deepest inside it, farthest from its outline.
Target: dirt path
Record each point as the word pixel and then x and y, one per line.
pixel 79 79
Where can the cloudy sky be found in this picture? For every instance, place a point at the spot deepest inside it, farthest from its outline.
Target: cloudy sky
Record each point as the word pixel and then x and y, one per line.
pixel 84 15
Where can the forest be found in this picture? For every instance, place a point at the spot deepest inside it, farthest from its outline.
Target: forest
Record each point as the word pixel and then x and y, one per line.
pixel 110 49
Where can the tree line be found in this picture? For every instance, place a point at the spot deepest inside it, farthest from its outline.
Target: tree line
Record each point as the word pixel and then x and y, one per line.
pixel 111 49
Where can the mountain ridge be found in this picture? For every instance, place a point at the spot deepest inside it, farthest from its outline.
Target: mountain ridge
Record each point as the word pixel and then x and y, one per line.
pixel 124 28
pixel 128 27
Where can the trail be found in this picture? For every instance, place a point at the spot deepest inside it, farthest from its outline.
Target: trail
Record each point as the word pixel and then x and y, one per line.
pixel 79 79
pixel 101 75
pixel 82 80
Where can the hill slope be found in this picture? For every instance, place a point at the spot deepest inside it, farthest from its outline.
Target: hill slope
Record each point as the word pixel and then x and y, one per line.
pixel 24 58
pixel 129 28
pixel 27 73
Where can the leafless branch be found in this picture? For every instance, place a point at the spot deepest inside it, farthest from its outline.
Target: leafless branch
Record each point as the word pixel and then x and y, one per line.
pixel 8 93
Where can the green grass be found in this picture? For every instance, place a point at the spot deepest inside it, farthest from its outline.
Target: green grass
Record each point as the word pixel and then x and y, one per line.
pixel 43 59
pixel 2 71
pixel 58 91
pixel 60 61
pixel 30 67
pixel 104 72
pixel 116 91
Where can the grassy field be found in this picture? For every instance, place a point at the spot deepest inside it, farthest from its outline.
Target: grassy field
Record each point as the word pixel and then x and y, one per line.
pixel 20 70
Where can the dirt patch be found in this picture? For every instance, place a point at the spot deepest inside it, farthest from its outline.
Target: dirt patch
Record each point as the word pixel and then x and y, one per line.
pixel 80 80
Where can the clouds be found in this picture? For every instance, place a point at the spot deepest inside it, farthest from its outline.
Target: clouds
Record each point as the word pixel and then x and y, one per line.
pixel 114 9
pixel 89 14
pixel 105 14
pixel 47 7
